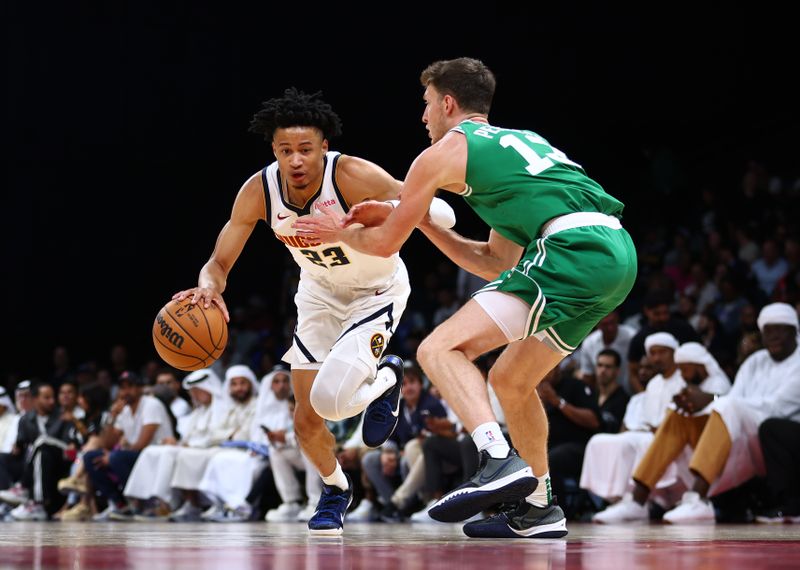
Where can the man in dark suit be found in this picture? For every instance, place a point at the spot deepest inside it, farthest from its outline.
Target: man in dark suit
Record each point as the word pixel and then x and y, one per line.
pixel 39 458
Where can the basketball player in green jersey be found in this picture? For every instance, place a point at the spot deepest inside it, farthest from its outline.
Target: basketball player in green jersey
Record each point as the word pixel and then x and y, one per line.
pixel 557 260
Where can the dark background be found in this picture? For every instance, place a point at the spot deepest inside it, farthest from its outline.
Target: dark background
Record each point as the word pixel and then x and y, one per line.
pixel 124 129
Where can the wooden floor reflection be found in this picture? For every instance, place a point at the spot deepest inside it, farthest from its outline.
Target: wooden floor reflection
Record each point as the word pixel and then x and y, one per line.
pixel 158 546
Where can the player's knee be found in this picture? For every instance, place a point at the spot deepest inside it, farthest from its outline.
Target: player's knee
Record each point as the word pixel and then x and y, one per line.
pixel 324 400
pixel 509 393
pixel 428 351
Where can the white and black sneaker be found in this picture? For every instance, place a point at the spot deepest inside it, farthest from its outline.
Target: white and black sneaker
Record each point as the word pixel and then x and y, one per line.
pixel 382 415
pixel 505 480
pixel 523 520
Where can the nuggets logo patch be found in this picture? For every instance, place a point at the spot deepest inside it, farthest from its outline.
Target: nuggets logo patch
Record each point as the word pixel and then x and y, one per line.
pixel 376 345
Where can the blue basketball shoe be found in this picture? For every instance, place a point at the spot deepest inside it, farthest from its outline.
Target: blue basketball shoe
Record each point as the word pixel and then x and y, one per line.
pixel 498 480
pixel 522 520
pixel 328 519
pixel 381 416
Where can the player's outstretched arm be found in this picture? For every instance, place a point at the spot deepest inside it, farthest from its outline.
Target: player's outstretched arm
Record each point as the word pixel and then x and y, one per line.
pixel 248 208
pixel 486 259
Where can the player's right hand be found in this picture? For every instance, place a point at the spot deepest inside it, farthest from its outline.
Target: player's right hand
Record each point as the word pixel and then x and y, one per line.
pixel 370 213
pixel 203 295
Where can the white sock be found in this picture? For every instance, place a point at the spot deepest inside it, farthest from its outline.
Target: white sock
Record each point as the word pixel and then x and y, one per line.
pixel 543 495
pixel 337 478
pixel 489 437
pixel 371 390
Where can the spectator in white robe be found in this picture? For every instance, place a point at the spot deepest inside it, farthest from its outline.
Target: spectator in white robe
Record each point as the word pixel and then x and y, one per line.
pixel 724 435
pixel 610 458
pixel 705 381
pixel 8 415
pixel 241 386
pixel 152 474
pixel 24 404
pixel 231 473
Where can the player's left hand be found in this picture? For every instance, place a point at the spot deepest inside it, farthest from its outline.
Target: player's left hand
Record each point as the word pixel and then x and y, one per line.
pixel 320 229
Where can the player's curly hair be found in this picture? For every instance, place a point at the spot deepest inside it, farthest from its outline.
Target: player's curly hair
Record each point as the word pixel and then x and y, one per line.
pixel 296 109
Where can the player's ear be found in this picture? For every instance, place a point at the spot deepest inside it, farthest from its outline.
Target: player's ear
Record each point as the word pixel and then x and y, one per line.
pixel 324 145
pixel 274 150
pixel 449 104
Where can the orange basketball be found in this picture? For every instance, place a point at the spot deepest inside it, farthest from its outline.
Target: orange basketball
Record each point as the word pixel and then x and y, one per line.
pixel 190 337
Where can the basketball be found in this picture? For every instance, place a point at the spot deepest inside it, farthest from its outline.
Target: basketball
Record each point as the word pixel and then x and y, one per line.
pixel 188 336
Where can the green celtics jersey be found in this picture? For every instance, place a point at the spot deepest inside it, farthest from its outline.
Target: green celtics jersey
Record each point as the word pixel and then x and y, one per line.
pixel 516 181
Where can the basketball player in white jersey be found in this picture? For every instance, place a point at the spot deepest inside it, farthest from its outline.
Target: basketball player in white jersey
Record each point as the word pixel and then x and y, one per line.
pixel 348 303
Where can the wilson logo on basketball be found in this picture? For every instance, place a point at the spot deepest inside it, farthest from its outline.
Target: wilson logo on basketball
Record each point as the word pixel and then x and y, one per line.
pixel 166 331
pixel 376 345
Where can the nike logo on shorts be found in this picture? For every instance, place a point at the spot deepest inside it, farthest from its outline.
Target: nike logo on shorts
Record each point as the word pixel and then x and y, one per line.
pixel 380 292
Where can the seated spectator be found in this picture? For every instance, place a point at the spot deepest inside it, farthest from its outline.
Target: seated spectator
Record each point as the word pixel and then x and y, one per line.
pixel 657 310
pixel 724 436
pixel 178 404
pixel 24 403
pixel 609 334
pixel 705 381
pixel 8 416
pixel 573 416
pixel 382 471
pixel 191 463
pixel 780 443
pixel 68 401
pixel 136 420
pixel 438 432
pixel 94 400
pixel 609 459
pixel 611 398
pixel 151 477
pixel 37 460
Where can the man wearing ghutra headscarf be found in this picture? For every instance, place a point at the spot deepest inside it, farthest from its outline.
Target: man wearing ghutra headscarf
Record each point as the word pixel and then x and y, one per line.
pixel 242 387
pixel 724 435
pixel 24 403
pixel 8 414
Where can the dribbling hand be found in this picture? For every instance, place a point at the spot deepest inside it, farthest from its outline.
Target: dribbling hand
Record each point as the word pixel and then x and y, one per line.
pixel 203 295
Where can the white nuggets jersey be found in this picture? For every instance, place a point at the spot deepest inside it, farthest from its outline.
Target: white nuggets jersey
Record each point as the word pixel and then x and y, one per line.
pixel 329 264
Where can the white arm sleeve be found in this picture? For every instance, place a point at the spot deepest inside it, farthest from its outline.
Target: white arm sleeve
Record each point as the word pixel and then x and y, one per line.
pixel 441 212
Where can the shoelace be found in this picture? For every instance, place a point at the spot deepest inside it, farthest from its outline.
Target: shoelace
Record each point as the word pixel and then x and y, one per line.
pixel 328 505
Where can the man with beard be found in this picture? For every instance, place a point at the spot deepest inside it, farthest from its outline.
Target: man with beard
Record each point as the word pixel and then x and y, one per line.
pixel 242 387
pixel 136 420
pixel 37 459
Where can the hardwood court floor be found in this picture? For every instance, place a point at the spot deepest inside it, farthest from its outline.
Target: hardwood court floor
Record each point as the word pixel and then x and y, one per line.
pixel 202 546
